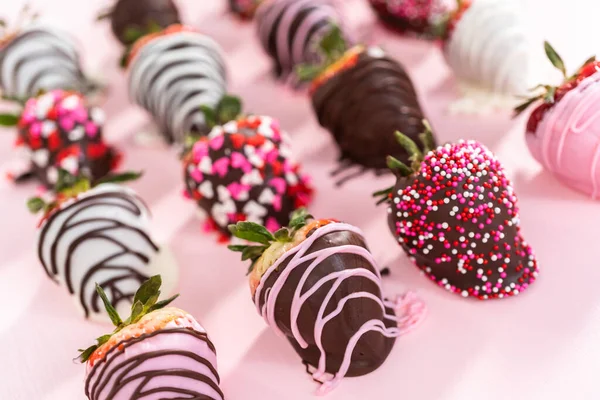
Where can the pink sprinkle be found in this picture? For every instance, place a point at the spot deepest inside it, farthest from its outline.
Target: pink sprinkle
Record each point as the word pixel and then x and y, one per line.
pixel 67 124
pixel 200 150
pixel 239 161
pixel 217 142
pixel 272 224
pixel 91 129
pixel 237 190
pixel 197 175
pixel 221 166
pixel 277 202
pixel 279 184
pixel 35 129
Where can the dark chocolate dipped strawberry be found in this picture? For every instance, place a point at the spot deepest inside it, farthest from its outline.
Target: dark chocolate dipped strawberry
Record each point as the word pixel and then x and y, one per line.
pixel 362 97
pixel 158 352
pixel 243 171
pixel 132 19
pixel 316 283
pixel 455 214
pixel 58 131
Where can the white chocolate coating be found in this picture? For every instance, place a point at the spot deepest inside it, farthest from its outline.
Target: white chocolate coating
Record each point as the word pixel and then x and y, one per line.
pixel 102 237
pixel 40 58
pixel 490 48
pixel 172 76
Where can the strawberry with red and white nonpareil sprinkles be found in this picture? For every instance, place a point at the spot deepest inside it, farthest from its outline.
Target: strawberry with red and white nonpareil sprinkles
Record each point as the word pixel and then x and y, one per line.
pixel 58 131
pixel 242 171
pixel 455 213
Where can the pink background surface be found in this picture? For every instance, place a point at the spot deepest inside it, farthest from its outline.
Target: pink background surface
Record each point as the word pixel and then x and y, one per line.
pixel 541 345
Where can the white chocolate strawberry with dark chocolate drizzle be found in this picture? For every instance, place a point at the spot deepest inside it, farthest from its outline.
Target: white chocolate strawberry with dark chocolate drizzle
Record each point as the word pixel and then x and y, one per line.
pixel 454 212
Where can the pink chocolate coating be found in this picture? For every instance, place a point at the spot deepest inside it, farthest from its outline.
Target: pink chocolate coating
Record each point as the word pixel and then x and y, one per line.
pixel 567 141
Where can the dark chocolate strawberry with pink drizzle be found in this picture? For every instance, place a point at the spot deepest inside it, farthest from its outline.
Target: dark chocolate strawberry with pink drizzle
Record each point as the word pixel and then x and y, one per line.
pixel 316 283
pixel 243 171
pixel 455 213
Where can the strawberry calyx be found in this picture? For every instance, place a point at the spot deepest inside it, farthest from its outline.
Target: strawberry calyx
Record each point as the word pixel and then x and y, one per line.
pixel 256 233
pixel 416 157
pixel 271 247
pixel 145 301
pixel 336 57
pixel 7 34
pixel 69 186
pixel 550 95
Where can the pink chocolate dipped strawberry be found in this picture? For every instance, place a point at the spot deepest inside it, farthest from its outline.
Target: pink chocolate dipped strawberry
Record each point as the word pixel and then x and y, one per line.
pixel 455 213
pixel 58 131
pixel 563 131
pixel 242 171
pixel 159 352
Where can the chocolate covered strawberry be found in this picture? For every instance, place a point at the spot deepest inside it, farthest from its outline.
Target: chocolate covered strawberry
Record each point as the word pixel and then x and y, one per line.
pixel 455 213
pixel 563 131
pixel 316 283
pixel 58 131
pixel 412 16
pixel 132 19
pixel 488 46
pixel 243 171
pixel 362 96
pixel 159 352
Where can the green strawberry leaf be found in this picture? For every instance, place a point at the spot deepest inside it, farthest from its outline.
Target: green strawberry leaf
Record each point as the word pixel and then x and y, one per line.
pixel 549 96
pixel 228 109
pixel 149 289
pixel 555 59
pixel 333 44
pixel 521 108
pixel 283 235
pixel 427 138
pixel 9 120
pixel 36 204
pixel 210 116
pixel 137 311
pixel 132 34
pixel 86 353
pixel 112 312
pixel 251 232
pixel 145 301
pixel 237 247
pixel 106 14
pixel 396 165
pixel 414 153
pixel 253 252
pixel 162 303
pixel 308 72
pixel 120 178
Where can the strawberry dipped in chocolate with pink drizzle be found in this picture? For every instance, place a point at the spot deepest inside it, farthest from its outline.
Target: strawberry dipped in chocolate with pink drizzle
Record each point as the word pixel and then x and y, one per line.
pixel 158 352
pixel 454 211
pixel 243 171
pixel 316 284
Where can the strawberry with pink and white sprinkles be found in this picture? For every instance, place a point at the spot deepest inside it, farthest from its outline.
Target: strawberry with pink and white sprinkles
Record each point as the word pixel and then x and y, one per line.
pixel 242 171
pixel 58 131
pixel 455 213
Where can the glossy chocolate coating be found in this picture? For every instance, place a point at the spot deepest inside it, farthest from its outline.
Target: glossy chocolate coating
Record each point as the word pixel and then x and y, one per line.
pixel 372 348
pixel 365 104
pixel 140 14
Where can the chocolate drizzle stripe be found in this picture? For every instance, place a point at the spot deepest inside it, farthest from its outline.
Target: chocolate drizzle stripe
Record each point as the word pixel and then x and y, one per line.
pixel 289 30
pixel 103 372
pixel 326 289
pixel 172 76
pixel 37 59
